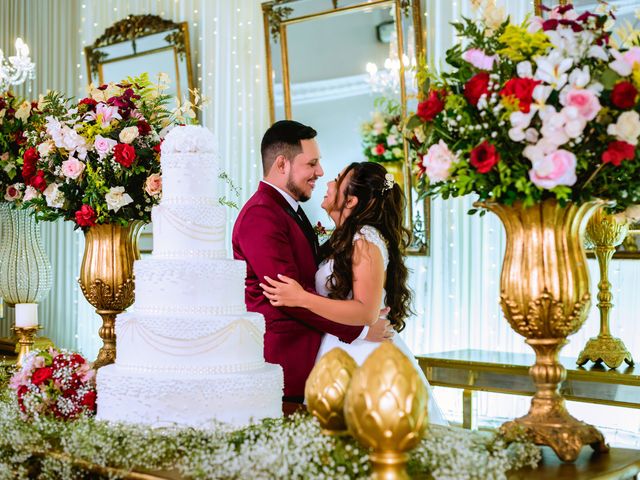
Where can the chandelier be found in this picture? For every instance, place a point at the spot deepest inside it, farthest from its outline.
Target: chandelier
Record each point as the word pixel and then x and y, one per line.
pixel 386 80
pixel 17 68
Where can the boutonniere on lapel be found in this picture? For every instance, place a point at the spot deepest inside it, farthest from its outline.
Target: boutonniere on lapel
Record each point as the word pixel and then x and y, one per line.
pixel 321 232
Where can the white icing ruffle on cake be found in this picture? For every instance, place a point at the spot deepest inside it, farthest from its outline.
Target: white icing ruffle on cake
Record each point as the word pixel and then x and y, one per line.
pixel 189 138
pixel 188 399
pixel 220 344
pixel 189 284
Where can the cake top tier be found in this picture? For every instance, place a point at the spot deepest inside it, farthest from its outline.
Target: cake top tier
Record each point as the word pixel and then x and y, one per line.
pixel 189 139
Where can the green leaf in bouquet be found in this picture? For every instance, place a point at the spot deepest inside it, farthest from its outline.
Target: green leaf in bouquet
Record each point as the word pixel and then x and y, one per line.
pixel 609 78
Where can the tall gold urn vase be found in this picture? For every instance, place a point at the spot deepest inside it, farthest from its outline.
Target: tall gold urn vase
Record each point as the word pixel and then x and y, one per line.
pixel 106 277
pixel 544 294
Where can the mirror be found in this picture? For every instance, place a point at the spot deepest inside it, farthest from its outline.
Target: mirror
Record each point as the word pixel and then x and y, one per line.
pixel 138 44
pixel 333 64
pixel 143 43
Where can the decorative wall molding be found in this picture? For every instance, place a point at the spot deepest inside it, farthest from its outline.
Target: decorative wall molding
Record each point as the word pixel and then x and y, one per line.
pixel 324 90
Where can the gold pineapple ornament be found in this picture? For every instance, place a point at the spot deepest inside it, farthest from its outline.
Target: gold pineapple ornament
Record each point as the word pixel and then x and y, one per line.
pixel 326 389
pixel 386 410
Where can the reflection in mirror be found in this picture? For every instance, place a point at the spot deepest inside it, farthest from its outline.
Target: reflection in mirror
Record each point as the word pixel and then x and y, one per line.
pixel 338 70
pixel 139 44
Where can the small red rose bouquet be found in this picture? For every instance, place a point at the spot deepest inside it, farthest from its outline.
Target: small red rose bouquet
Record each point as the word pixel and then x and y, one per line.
pixel 55 383
pixel 97 161
pixel 382 135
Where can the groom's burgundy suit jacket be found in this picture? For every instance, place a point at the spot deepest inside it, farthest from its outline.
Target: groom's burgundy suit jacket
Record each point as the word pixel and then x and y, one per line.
pixel 270 237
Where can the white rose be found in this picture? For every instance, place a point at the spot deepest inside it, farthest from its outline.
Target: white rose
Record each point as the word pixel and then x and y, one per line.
pixel 55 198
pixel 45 148
pixel 117 198
pixel 23 111
pixel 128 135
pixel 627 128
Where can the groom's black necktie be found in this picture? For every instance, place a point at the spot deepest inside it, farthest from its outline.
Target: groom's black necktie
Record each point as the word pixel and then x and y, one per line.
pixel 308 231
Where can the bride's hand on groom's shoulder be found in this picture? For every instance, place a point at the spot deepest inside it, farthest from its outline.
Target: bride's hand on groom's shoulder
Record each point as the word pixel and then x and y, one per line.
pixel 284 292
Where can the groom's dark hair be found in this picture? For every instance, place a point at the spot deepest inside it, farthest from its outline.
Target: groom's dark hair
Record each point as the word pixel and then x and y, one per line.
pixel 283 138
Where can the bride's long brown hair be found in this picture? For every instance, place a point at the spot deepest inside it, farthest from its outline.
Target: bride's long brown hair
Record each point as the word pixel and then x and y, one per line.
pixel 382 208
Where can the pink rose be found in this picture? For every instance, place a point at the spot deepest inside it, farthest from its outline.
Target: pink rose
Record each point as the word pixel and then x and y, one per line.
pixel 479 59
pixel 585 101
pixel 438 161
pixel 72 168
pixel 103 145
pixel 153 185
pixel 632 56
pixel 556 168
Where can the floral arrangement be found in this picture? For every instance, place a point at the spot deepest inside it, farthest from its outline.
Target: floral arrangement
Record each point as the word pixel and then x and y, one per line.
pixel 14 115
pixel 55 383
pixel 281 448
pixel 545 109
pixel 382 135
pixel 97 161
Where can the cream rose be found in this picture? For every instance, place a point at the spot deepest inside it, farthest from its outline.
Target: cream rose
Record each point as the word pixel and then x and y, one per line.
pixel 128 135
pixel 117 198
pixel 13 192
pixel 23 111
pixel 55 198
pixel 627 128
pixel 45 148
pixel 153 185
pixel 438 161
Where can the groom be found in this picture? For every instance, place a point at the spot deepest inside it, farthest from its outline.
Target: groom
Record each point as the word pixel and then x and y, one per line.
pixel 274 236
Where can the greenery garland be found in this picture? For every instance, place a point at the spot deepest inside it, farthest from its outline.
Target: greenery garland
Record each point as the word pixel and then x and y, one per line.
pixel 282 448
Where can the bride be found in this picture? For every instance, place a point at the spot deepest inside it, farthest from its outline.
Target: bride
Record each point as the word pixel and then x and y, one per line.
pixel 363 268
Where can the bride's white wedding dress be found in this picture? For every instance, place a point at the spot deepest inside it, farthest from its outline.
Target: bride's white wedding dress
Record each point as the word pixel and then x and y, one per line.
pixel 360 349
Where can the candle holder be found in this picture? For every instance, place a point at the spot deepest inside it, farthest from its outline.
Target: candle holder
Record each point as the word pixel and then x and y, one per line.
pixel 26 340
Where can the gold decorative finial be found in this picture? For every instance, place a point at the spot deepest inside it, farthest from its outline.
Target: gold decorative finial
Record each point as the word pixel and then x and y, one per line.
pixel 386 410
pixel 326 389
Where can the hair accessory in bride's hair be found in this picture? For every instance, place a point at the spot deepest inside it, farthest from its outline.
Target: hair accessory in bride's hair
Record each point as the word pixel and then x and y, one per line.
pixel 388 182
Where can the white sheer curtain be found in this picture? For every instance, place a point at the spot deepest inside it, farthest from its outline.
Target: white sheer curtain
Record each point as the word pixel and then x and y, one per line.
pixel 457 287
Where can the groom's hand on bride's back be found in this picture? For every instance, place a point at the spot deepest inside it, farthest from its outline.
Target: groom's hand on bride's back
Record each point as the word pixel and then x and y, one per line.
pixel 381 330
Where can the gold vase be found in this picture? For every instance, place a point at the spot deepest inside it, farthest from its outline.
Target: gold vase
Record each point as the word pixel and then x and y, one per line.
pixel 386 410
pixel 544 294
pixel 106 277
pixel 326 389
pixel 604 233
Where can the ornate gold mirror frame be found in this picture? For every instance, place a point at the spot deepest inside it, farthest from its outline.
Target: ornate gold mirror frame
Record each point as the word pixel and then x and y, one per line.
pixel 277 17
pixel 144 37
pixel 134 31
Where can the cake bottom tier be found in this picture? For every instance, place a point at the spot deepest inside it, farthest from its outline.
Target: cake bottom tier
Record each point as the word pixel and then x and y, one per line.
pixel 162 400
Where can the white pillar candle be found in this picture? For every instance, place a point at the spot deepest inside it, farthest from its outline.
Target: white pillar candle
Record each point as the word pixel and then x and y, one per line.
pixel 26 314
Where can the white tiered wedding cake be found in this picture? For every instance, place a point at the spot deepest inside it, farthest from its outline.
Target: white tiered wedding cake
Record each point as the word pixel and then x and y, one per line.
pixel 189 352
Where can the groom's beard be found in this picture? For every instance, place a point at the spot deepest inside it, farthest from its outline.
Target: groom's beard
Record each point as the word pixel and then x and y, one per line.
pixel 298 194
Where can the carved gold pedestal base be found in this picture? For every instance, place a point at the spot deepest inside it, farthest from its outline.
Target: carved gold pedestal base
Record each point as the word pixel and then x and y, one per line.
pixel 605 349
pixel 107 332
pixel 555 427
pixel 26 337
pixel 389 465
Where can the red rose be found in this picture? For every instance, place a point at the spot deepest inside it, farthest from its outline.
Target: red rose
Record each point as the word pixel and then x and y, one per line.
pixel 124 154
pixel 484 157
pixel 379 149
pixel 21 391
pixel 143 128
pixel 617 152
pixel 476 87
pixel 624 95
pixel 77 359
pixel 432 106
pixel 38 181
pixel 12 191
pixel 30 157
pixel 89 400
pixel 522 89
pixel 88 101
pixel 86 216
pixel 41 375
pixel 156 148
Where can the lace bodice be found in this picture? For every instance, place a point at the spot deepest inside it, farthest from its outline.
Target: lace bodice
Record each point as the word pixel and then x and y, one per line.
pixel 368 233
